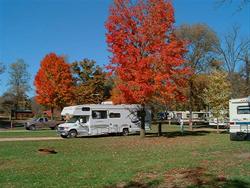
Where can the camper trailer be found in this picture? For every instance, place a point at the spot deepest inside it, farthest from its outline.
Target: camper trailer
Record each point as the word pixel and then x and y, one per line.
pixel 100 119
pixel 239 116
pixel 198 118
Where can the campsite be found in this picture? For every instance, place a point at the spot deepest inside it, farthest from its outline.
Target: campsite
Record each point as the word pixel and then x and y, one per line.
pixel 125 93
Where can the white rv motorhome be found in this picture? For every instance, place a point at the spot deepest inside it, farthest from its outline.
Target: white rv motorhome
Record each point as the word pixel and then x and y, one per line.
pixel 239 115
pixel 99 119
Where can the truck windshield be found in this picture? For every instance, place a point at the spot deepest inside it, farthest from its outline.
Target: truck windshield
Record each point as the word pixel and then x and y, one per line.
pixel 76 118
pixel 73 119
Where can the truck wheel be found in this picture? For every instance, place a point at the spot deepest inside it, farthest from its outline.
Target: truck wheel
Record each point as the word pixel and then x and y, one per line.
pixel 32 127
pixel 125 132
pixel 72 133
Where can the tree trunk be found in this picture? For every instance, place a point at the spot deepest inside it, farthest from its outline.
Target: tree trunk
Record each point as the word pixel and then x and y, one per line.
pixel 247 61
pixel 52 113
pixel 159 129
pixel 190 105
pixel 142 116
pixel 218 125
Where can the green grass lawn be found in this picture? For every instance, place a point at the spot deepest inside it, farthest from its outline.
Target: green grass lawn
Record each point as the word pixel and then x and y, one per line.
pixel 20 133
pixel 199 159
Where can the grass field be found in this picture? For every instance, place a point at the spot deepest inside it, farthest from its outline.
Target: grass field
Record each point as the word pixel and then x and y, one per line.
pixel 20 133
pixel 199 159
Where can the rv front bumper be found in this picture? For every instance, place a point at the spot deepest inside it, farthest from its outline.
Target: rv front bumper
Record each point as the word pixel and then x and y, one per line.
pixel 63 132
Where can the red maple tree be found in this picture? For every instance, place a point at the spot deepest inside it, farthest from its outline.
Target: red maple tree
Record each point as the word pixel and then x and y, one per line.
pixel 54 82
pixel 147 58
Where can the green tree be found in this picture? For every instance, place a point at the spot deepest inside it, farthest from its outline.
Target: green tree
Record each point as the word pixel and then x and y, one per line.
pixel 90 83
pixel 19 83
pixel 217 95
pixel 202 45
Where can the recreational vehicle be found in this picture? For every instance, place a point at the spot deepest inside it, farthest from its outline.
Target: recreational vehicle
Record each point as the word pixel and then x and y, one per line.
pixel 239 116
pixel 223 121
pixel 99 119
pixel 197 117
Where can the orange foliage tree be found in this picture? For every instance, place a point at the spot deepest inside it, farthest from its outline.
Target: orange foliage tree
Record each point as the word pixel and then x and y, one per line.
pixel 147 58
pixel 54 82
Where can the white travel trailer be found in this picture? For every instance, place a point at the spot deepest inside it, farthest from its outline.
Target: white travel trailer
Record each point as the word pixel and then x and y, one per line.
pixel 99 119
pixel 197 117
pixel 239 115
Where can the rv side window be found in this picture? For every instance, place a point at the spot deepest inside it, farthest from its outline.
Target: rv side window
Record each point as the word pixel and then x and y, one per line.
pixel 85 109
pixel 114 115
pixel 243 110
pixel 98 114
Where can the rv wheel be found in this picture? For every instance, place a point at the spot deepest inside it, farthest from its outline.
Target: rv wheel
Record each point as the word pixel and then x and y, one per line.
pixel 72 133
pixel 125 132
pixel 238 136
pixel 64 136
pixel 241 136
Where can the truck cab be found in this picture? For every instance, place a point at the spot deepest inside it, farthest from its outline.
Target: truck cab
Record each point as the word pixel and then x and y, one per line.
pixel 75 125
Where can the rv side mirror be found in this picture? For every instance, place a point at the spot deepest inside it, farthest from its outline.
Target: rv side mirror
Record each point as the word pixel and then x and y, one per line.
pixel 81 120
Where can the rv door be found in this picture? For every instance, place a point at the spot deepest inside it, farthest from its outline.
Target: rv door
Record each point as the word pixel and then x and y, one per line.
pixel 99 123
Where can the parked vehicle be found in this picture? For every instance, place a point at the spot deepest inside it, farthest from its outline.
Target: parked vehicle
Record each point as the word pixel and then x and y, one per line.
pixel 222 122
pixel 197 117
pixel 41 123
pixel 162 116
pixel 99 119
pixel 239 116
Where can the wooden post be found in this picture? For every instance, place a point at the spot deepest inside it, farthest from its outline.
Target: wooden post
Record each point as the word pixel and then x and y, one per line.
pixel 159 129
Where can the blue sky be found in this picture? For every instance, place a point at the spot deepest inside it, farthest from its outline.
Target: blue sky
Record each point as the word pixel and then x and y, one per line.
pixel 29 29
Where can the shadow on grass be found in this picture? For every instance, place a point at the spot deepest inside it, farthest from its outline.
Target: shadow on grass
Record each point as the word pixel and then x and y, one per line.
pixel 171 134
pixel 4 124
pixel 134 184
pixel 212 184
pixel 174 134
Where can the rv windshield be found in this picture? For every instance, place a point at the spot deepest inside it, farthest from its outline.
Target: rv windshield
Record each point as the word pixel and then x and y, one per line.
pixel 76 118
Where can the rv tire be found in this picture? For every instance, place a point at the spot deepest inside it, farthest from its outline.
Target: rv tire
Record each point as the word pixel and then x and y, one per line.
pixel 64 136
pixel 72 133
pixel 237 136
pixel 125 132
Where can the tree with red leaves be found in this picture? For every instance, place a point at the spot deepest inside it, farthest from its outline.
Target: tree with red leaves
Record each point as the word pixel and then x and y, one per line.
pixel 54 82
pixel 147 58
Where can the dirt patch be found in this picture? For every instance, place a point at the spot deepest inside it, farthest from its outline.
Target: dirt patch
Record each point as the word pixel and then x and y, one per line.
pixel 198 176
pixel 47 151
pixel 175 178
pixel 243 155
